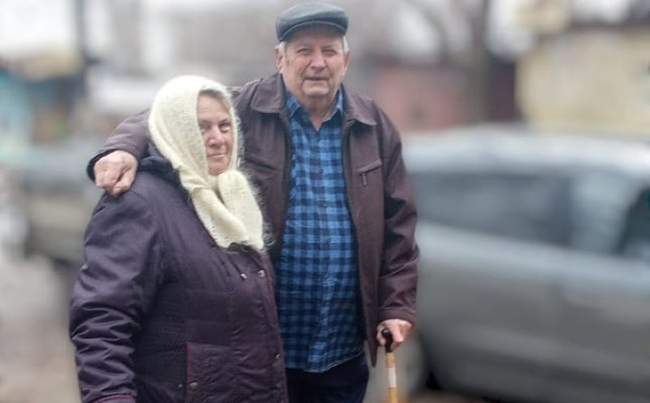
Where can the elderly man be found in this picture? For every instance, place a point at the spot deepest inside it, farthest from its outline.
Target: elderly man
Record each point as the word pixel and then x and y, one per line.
pixel 329 169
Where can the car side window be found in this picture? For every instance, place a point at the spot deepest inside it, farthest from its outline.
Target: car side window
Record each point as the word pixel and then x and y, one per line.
pixel 635 238
pixel 524 206
pixel 607 213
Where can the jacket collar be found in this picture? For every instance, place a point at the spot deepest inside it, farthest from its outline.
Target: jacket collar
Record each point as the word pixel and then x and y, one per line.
pixel 269 98
pixel 155 163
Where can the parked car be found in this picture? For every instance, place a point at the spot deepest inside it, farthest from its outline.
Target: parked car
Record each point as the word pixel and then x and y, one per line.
pixel 58 197
pixel 534 281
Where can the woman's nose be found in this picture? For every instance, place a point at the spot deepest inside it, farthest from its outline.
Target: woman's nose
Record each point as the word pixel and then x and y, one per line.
pixel 215 137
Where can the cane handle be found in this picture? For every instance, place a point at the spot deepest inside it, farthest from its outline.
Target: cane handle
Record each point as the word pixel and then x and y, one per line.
pixel 390 366
pixel 389 340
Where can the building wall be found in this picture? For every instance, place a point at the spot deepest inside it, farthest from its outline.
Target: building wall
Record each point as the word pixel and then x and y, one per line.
pixel 591 79
pixel 419 98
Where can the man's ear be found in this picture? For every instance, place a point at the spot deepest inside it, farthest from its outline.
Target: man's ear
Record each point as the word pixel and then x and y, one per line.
pixel 279 58
pixel 346 59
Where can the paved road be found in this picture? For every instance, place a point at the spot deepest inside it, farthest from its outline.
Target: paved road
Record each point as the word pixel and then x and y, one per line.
pixel 36 363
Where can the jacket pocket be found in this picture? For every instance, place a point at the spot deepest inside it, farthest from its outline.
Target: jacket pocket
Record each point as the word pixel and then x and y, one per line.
pixel 366 169
pixel 210 375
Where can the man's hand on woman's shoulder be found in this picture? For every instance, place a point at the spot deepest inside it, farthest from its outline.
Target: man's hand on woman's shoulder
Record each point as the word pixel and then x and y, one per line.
pixel 115 172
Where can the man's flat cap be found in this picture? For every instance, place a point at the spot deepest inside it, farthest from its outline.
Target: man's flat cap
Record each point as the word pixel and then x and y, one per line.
pixel 306 15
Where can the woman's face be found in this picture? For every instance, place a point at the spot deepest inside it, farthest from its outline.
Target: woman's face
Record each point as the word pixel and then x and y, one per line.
pixel 216 129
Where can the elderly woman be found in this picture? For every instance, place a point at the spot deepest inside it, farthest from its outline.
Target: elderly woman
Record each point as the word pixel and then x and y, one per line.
pixel 174 302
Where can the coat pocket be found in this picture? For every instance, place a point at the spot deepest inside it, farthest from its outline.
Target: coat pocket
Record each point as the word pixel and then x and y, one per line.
pixel 367 169
pixel 210 376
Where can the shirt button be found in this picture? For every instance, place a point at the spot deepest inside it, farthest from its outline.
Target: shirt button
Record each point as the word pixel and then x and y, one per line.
pixel 261 273
pixel 193 385
pixel 277 356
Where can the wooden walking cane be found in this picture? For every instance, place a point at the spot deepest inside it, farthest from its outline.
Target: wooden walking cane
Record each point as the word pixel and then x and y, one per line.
pixel 390 366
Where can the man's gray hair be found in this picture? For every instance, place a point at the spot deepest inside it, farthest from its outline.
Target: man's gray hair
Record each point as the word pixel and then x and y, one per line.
pixel 282 46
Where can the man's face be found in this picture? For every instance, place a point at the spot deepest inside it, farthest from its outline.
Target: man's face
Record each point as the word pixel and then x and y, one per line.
pixel 313 65
pixel 216 129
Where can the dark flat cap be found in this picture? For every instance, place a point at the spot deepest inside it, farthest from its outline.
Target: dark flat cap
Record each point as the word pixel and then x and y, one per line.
pixel 305 15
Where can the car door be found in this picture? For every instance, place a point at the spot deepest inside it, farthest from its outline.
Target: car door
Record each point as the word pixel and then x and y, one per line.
pixel 492 246
pixel 604 354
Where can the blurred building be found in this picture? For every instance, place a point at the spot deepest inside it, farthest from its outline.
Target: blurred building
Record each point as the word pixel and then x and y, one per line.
pixel 428 65
pixel 41 72
pixel 582 65
pixel 425 72
pixel 80 66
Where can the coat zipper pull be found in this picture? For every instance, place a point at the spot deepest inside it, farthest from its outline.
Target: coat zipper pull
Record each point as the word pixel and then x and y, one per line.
pixel 364 180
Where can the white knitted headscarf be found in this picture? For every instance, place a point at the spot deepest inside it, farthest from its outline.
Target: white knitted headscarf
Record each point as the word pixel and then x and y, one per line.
pixel 224 203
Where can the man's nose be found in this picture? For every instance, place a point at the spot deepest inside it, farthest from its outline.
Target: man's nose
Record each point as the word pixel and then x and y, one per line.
pixel 317 59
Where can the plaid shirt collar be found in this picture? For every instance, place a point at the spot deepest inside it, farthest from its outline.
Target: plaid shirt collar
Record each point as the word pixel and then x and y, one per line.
pixel 294 107
pixel 270 97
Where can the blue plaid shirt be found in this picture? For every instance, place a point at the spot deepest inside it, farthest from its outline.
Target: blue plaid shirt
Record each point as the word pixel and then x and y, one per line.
pixel 317 280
